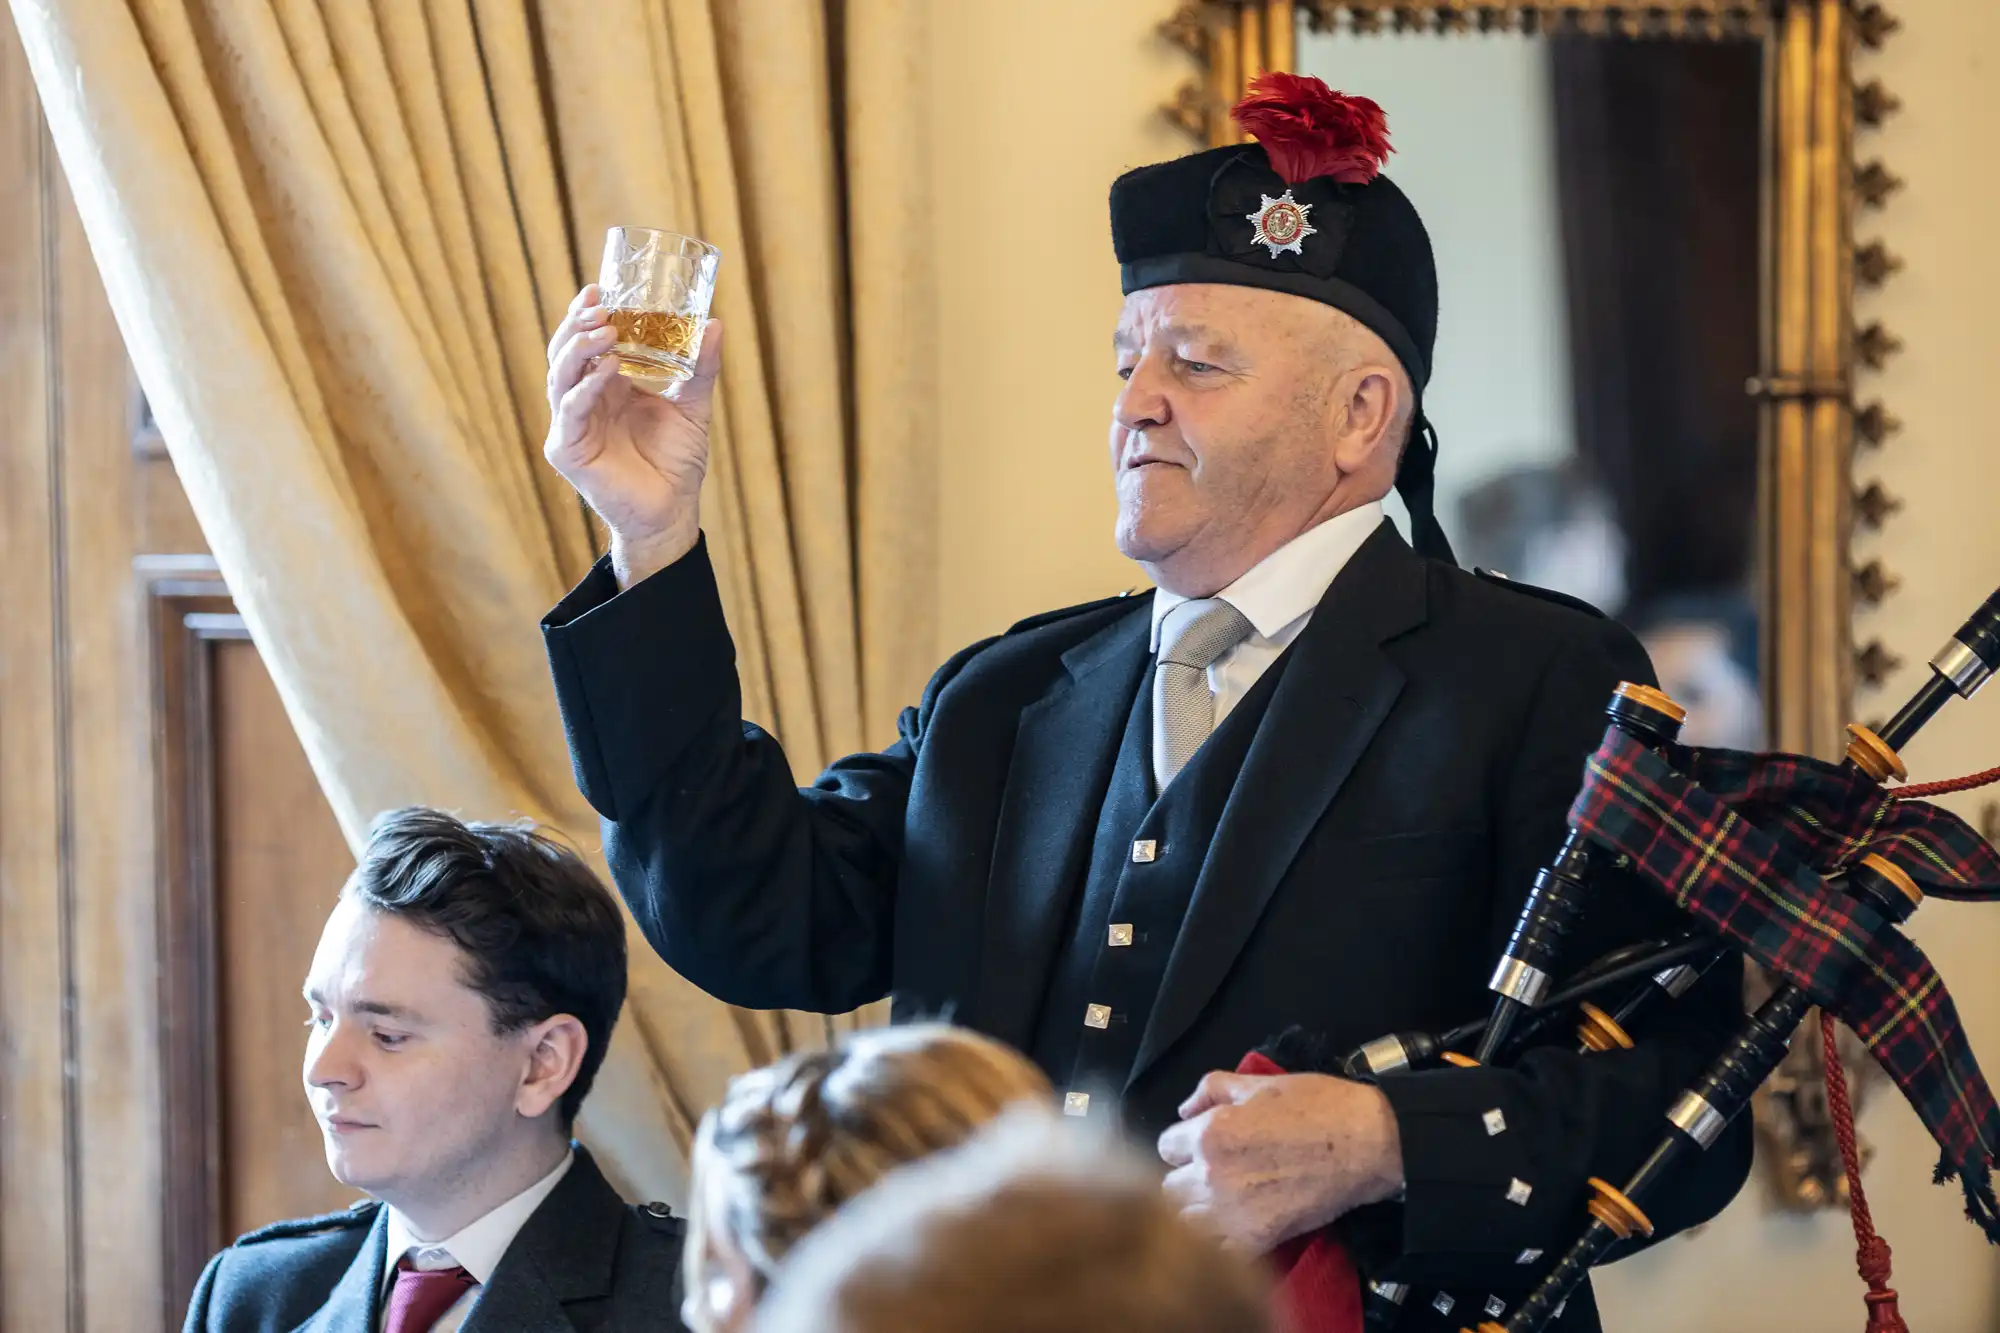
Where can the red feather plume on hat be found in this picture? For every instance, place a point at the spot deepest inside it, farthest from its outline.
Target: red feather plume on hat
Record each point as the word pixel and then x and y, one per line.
pixel 1307 129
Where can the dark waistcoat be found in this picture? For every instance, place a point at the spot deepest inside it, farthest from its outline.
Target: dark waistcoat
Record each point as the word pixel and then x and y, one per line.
pixel 1124 926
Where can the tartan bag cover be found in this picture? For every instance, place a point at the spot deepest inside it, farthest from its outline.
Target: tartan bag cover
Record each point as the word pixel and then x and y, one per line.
pixel 1744 842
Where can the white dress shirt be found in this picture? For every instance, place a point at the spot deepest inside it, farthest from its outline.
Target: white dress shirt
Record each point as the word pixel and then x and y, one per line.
pixel 477 1247
pixel 1277 596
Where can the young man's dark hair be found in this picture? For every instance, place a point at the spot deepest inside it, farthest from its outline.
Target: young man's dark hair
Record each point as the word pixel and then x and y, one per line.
pixel 540 932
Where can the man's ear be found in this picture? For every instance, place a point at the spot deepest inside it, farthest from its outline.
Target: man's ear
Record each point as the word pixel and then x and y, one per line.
pixel 1374 396
pixel 555 1056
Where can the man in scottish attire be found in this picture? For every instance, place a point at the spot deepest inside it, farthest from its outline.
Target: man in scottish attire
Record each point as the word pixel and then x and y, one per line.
pixel 1306 783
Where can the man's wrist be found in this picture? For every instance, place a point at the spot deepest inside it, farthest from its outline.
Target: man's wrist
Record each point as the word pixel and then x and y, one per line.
pixel 1386 1181
pixel 633 561
pixel 1367 1162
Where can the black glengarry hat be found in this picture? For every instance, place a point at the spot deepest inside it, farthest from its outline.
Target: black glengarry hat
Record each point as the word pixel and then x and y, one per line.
pixel 1305 210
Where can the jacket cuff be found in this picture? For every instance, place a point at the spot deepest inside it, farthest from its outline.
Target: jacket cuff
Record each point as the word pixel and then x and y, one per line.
pixel 1474 1182
pixel 637 673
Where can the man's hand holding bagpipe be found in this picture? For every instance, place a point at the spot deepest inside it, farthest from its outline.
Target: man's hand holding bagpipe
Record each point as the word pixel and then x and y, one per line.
pixel 1805 866
pixel 1264 1158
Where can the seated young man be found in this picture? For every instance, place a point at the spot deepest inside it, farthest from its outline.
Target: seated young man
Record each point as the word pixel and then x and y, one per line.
pixel 461 1000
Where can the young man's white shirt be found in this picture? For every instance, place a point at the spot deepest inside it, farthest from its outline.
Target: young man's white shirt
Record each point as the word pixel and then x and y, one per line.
pixel 477 1247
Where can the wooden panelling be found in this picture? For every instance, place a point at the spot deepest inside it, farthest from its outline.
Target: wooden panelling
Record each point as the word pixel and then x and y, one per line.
pixel 77 1136
pixel 280 860
pixel 38 1208
pixel 166 858
pixel 181 590
pixel 250 860
pixel 115 1142
pixel 163 520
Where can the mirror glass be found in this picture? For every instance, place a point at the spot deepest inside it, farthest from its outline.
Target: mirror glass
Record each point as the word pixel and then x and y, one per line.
pixel 1593 204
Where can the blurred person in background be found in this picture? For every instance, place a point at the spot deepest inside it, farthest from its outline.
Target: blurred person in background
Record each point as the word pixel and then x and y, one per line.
pixel 1032 1227
pixel 1556 527
pixel 792 1142
pixel 1704 645
pixel 1552 526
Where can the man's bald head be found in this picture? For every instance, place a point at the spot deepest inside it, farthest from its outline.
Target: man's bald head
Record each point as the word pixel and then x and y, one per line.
pixel 1248 416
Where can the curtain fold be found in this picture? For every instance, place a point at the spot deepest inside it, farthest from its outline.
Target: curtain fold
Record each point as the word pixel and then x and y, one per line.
pixel 336 236
pixel 1662 287
pixel 893 318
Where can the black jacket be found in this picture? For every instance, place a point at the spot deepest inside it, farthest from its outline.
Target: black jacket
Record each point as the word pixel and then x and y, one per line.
pixel 1410 776
pixel 584 1262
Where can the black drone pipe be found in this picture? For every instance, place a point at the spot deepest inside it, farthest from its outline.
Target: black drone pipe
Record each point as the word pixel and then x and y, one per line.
pixel 1698 1118
pixel 1419 1050
pixel 1523 976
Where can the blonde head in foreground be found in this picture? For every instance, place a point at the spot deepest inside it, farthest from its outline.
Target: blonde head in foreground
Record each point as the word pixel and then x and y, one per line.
pixel 1036 1225
pixel 792 1142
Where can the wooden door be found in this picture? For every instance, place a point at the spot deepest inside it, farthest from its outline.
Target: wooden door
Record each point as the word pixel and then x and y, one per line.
pixel 166 857
pixel 251 860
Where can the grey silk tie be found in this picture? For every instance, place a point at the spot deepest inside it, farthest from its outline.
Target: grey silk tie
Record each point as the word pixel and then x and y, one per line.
pixel 1192 636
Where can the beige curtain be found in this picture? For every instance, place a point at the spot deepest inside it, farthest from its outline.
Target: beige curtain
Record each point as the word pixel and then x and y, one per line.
pixel 336 236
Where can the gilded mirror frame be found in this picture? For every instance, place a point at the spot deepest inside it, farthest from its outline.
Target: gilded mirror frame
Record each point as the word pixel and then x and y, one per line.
pixel 1810 351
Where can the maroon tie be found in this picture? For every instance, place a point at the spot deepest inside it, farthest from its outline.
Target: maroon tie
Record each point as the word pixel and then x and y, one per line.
pixel 420 1296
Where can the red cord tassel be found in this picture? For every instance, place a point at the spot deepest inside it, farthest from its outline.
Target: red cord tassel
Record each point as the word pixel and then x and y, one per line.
pixel 1871 1252
pixel 1918 790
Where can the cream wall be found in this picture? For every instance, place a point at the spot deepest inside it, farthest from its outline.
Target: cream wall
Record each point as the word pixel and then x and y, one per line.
pixel 1042 102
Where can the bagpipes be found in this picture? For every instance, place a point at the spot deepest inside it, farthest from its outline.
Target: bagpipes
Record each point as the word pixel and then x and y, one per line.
pixel 1804 867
